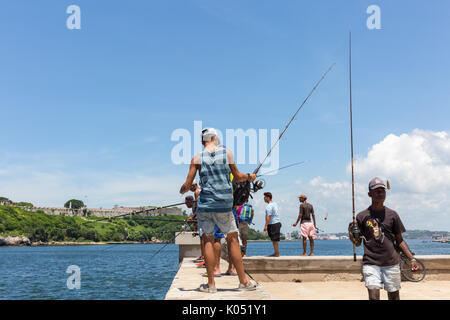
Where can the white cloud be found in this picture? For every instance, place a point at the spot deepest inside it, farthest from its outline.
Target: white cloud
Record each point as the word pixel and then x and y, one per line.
pixel 418 162
pixel 417 165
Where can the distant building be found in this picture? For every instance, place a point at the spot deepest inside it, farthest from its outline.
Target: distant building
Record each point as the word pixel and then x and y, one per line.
pixel 5 202
pixel 116 211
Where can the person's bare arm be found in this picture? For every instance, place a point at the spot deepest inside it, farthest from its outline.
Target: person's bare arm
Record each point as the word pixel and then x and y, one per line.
pixel 239 176
pixel 267 222
pixel 404 247
pixel 191 174
pixel 300 215
pixel 314 219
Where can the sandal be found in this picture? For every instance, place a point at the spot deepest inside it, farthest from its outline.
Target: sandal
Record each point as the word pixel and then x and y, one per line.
pixel 215 276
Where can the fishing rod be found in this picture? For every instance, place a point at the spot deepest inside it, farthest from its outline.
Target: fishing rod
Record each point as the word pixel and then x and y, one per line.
pixel 319 230
pixel 355 230
pixel 293 117
pixel 291 165
pixel 156 219
pixel 150 259
pixel 242 190
pixel 143 211
pixel 169 229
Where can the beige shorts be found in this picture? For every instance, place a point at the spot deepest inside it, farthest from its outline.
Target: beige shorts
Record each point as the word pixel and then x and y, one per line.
pixel 243 228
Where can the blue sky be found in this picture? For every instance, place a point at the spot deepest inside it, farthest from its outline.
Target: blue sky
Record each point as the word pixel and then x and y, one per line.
pixel 89 113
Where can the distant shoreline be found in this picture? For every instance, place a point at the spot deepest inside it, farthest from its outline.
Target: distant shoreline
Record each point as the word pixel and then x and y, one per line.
pixel 75 243
pixel 85 243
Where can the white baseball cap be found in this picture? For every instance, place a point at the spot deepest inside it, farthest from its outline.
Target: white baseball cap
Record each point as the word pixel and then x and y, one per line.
pixel 208 133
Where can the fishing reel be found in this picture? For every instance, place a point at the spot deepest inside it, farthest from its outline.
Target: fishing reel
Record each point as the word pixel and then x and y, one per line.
pixel 258 185
pixel 356 233
pixel 242 190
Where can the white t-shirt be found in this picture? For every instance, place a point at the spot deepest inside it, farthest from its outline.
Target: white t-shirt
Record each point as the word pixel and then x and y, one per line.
pixel 272 210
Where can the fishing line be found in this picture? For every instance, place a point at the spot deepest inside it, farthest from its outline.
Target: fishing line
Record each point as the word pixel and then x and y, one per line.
pixel 143 211
pixel 288 166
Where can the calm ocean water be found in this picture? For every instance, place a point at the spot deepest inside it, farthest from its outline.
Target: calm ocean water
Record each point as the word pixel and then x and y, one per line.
pixel 128 271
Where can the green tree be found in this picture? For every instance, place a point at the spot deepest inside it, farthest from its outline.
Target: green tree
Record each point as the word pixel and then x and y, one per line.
pixel 295 235
pixel 76 204
pixel 24 204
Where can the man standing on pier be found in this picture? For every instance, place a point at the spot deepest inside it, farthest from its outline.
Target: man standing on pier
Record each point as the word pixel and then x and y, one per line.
pixel 273 223
pixel 307 228
pixel 381 229
pixel 215 203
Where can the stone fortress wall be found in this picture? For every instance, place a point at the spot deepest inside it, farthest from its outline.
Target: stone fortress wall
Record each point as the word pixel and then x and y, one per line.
pixel 106 213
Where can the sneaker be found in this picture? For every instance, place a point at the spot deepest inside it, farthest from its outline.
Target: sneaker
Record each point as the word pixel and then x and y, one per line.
pixel 252 285
pixel 205 288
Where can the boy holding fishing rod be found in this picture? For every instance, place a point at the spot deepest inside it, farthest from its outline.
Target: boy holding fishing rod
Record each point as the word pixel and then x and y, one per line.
pixel 381 228
pixel 215 204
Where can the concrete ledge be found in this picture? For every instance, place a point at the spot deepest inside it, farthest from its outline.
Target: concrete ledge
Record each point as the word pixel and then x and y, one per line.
pixel 328 268
pixel 188 245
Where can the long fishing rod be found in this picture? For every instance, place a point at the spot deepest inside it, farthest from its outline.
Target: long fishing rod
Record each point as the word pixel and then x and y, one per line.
pixel 143 211
pixel 163 247
pixel 157 219
pixel 169 229
pixel 355 230
pixel 293 117
pixel 291 165
pixel 241 190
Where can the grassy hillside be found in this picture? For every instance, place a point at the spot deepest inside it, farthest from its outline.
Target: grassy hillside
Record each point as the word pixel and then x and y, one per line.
pixel 38 226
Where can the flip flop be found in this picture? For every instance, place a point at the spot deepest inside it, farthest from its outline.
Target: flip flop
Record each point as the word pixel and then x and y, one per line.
pixel 201 264
pixel 215 276
pixel 229 274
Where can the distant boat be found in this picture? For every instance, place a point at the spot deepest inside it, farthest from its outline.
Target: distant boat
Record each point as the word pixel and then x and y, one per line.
pixel 441 239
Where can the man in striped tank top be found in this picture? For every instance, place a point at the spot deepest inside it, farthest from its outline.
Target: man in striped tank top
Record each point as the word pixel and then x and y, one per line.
pixel 215 204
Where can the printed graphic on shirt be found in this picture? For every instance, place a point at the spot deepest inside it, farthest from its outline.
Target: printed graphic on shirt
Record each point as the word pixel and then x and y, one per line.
pixel 375 229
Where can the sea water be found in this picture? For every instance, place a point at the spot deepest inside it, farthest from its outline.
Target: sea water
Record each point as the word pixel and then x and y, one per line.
pixel 128 271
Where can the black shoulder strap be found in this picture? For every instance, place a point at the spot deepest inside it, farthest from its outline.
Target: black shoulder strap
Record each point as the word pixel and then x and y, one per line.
pixel 386 234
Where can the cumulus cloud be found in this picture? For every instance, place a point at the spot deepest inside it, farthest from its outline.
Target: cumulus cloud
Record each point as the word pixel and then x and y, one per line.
pixel 418 162
pixel 417 165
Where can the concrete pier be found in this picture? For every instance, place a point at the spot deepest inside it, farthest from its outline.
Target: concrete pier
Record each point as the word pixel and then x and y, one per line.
pixel 329 268
pixel 300 278
pixel 185 285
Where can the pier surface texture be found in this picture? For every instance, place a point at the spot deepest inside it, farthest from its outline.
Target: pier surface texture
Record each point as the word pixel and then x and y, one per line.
pixel 302 278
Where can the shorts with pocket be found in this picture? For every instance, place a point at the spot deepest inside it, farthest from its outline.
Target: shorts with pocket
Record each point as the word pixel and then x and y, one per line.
pixel 274 231
pixel 224 220
pixel 375 277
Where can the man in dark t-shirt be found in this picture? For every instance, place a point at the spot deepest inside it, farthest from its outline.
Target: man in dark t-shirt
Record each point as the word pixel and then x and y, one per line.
pixel 381 228
pixel 307 227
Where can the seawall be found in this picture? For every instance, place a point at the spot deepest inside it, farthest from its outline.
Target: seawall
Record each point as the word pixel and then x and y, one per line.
pixel 300 277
